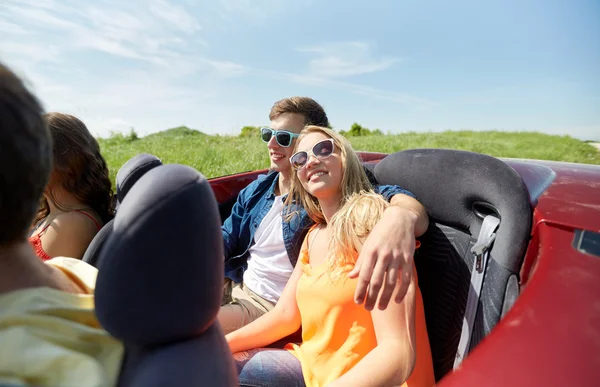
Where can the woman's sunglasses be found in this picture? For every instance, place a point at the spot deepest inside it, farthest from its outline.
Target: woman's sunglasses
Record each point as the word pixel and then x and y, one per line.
pixel 283 137
pixel 321 150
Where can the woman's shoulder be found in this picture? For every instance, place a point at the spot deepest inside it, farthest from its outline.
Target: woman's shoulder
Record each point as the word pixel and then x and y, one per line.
pixel 76 220
pixel 68 234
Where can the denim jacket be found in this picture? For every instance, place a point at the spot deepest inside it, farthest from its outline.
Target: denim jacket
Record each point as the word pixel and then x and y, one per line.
pixel 253 203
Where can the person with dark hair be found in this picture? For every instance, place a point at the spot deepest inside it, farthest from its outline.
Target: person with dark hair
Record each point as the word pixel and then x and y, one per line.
pixel 48 329
pixel 77 201
pixel 261 248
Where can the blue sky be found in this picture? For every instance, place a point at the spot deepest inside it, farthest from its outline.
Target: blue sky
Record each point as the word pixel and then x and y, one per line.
pixel 396 65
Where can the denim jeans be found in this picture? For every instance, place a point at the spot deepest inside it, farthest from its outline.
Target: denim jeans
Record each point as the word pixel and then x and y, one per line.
pixel 267 367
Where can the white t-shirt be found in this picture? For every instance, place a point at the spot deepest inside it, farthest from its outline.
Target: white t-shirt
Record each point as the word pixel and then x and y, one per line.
pixel 269 267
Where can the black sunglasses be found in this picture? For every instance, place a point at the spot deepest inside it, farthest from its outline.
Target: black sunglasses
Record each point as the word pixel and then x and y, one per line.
pixel 321 150
pixel 283 137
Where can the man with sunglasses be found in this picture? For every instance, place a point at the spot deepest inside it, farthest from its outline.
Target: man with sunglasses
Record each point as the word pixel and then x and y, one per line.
pixel 262 245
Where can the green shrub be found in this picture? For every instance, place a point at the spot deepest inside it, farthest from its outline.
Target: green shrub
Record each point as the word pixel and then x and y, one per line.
pixel 250 131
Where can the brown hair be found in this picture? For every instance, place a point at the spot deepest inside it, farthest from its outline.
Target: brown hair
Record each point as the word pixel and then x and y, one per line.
pixel 25 157
pixel 79 168
pixel 313 113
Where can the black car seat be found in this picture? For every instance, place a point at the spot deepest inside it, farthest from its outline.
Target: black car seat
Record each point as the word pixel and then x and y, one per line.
pixel 127 175
pixel 159 285
pixel 459 189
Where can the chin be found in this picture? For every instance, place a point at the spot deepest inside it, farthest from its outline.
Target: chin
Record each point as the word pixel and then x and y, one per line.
pixel 279 166
pixel 318 192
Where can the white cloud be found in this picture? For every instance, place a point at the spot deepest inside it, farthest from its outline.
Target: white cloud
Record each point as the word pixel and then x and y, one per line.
pixel 33 53
pixel 353 88
pixel 145 64
pixel 130 30
pixel 343 59
pixel 252 11
pixel 175 16
pixel 226 68
pixel 9 27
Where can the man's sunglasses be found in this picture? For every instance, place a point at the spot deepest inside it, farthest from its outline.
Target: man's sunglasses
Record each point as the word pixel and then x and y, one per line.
pixel 283 137
pixel 321 150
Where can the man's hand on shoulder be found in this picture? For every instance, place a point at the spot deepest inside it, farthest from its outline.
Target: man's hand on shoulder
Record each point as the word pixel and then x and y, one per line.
pixel 386 258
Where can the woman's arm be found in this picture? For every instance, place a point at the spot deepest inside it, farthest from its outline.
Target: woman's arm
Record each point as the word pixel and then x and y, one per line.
pixel 280 322
pixel 393 360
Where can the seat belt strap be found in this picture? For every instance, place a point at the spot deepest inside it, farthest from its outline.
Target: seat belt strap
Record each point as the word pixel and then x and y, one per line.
pixel 481 251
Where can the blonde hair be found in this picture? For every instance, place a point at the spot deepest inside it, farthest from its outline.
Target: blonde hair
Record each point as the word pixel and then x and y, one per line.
pixel 360 208
pixel 350 226
pixel 354 178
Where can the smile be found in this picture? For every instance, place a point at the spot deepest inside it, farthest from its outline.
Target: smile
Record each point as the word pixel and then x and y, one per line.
pixel 317 173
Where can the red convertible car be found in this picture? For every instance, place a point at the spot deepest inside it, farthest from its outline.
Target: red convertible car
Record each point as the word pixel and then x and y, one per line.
pixel 537 321
pixel 509 269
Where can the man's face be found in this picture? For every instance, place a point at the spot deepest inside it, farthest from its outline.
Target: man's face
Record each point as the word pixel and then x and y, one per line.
pixel 279 155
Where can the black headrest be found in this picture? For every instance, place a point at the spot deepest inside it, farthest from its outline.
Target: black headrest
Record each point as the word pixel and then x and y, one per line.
pixel 93 250
pixel 458 188
pixel 132 170
pixel 161 271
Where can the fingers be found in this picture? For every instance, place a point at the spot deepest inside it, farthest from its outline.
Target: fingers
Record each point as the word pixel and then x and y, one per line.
pixel 364 277
pixel 376 281
pixel 389 285
pixel 406 278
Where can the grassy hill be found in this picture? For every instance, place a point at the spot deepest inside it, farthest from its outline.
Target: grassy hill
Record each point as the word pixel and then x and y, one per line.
pixel 216 155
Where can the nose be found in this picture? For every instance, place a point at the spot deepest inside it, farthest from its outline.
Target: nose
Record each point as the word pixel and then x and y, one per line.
pixel 272 143
pixel 312 159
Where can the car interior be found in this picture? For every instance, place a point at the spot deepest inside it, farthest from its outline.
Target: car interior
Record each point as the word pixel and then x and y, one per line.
pixel 160 324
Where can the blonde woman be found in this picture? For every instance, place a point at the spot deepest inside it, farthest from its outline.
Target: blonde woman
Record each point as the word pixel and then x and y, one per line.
pixel 343 344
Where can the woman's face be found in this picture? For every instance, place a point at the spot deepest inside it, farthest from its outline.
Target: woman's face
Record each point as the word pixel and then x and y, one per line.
pixel 320 176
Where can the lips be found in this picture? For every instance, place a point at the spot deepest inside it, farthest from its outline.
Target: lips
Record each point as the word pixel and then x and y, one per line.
pixel 277 156
pixel 317 174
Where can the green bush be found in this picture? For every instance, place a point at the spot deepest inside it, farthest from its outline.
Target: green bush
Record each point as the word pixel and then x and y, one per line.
pixel 250 131
pixel 357 130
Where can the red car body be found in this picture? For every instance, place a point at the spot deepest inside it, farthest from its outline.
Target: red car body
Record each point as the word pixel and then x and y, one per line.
pixel 551 336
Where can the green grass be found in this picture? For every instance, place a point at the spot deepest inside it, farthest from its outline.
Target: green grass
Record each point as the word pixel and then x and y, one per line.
pixel 216 155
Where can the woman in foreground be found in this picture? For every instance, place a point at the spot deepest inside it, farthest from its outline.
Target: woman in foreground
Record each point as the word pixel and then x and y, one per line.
pixel 77 201
pixel 343 344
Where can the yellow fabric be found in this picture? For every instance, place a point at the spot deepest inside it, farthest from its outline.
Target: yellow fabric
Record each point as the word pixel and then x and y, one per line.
pixel 337 333
pixel 52 338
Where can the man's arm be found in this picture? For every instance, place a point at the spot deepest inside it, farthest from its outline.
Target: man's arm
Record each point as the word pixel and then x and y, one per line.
pixel 388 252
pixel 231 226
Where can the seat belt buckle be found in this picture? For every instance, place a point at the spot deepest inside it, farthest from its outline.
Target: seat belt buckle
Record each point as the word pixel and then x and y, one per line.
pixel 479 263
pixel 480 248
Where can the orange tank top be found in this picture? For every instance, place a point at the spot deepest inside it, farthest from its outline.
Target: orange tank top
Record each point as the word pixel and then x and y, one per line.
pixel 337 333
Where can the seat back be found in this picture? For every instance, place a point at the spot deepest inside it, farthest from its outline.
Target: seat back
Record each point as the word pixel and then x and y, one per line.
pixel 160 280
pixel 127 176
pixel 458 189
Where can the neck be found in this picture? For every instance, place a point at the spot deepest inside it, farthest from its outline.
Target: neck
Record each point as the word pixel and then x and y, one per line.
pixel 20 269
pixel 329 206
pixel 284 182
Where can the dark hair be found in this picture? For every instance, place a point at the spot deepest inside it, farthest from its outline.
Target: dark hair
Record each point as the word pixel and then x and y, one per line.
pixel 25 157
pixel 79 168
pixel 313 113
